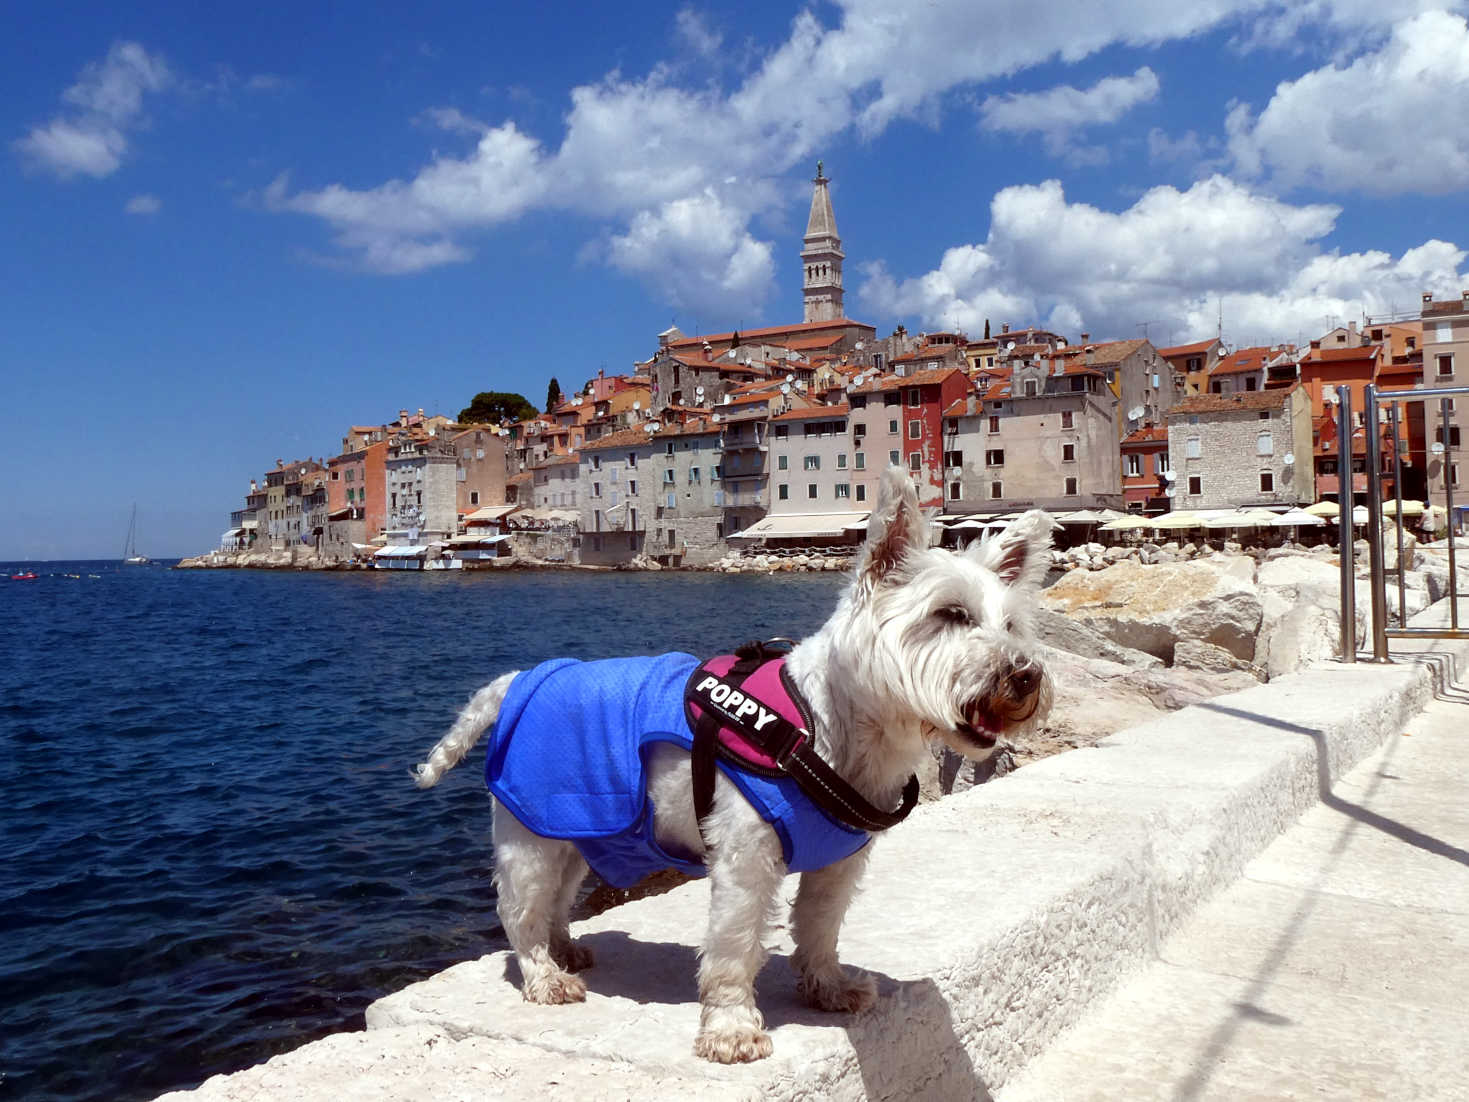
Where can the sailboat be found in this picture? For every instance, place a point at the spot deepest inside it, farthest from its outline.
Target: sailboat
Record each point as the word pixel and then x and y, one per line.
pixel 130 556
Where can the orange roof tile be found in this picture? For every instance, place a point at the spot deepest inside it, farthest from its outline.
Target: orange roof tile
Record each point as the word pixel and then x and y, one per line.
pixel 1187 349
pixel 811 412
pixel 898 382
pixel 1233 403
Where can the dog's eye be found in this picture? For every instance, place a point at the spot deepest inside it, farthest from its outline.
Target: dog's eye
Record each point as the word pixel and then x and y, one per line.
pixel 955 614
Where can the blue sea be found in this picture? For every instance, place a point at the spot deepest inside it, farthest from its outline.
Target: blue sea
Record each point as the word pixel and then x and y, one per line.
pixel 211 850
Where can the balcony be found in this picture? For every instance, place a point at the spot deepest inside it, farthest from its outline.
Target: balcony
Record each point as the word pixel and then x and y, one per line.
pixel 744 476
pixel 743 442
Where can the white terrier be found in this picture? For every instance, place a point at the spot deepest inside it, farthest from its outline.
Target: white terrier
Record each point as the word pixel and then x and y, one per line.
pixel 925 644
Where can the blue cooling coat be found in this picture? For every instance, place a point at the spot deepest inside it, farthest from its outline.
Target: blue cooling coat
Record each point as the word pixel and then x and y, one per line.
pixel 568 756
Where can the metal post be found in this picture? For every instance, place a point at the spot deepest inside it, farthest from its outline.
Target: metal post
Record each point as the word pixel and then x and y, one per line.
pixel 1344 525
pixel 1377 557
pixel 1397 489
pixel 1448 493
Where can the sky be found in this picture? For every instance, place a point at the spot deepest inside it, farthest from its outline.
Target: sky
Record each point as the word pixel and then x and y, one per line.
pixel 232 233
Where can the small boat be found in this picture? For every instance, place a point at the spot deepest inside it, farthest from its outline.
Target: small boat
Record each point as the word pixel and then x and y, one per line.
pixel 27 576
pixel 130 556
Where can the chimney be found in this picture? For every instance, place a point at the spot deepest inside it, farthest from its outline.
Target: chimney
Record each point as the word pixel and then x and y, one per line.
pixel 1427 298
pixel 403 417
pixel 1085 337
pixel 1316 344
pixel 1005 327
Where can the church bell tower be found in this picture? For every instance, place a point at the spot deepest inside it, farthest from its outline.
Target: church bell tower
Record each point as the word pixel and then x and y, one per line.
pixel 821 256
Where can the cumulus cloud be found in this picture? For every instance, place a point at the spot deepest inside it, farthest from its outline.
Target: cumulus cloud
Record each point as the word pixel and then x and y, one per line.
pixel 1170 258
pixel 90 136
pixel 1057 112
pixel 697 254
pixel 1396 120
pixel 143 204
pixel 632 147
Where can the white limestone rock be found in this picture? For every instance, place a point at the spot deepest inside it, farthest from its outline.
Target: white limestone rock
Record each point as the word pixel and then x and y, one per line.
pixel 1191 654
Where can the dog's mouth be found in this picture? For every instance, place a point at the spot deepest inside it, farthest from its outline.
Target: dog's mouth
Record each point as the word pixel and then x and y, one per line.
pixel 984 723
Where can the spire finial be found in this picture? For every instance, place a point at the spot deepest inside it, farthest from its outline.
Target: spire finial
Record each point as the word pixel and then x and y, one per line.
pixel 819 173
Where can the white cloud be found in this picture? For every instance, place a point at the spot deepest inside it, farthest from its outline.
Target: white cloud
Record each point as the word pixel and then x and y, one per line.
pixel 697 254
pixel 144 204
pixel 631 147
pixel 1169 259
pixel 1056 112
pixel 105 103
pixel 1394 121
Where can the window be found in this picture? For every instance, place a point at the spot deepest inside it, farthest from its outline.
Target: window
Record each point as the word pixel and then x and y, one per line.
pixel 1264 415
pixel 1078 383
pixel 1267 482
pixel 893 425
pixel 1031 387
pixel 632 459
pixel 1264 444
pixel 693 476
pixel 1068 419
pixel 893 459
pixel 596 462
pixel 1068 453
pixel 954 491
pixel 1195 484
pixel 915 430
pixel 860 461
pixel 996 491
pixel 811 490
pixel 1443 332
pixel 995 457
pixel 859 430
pixel 596 489
pixel 913 398
pixel 632 485
pixel 1454 474
pixel 1134 465
pixel 953 424
pixel 841 461
pixel 1453 435
pixel 783 492
pixel 844 490
pixel 336 476
pixel 1071 487
pixel 1192 448
pixel 1445 362
pixel 782 431
pixel 1251 383
pixel 994 424
pixel 668 477
pixel 859 401
pixel 716 472
pixel 915 461
pixel 891 398
pixel 597 519
pixel 668 448
pixel 812 463
pixel 861 492
pixel 782 462
pixel 672 500
pixel 953 459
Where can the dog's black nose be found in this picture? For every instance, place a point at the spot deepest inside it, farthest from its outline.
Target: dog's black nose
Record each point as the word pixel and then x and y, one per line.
pixel 1024 680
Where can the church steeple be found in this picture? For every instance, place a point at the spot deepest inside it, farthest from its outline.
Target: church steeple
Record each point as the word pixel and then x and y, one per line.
pixel 821 256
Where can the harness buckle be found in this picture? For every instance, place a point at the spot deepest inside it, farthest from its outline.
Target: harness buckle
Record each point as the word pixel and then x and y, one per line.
pixel 793 743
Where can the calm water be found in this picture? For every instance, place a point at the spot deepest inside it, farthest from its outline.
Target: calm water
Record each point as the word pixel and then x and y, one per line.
pixel 210 847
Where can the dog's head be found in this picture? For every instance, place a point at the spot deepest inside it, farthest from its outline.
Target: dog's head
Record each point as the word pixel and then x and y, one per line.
pixel 944 636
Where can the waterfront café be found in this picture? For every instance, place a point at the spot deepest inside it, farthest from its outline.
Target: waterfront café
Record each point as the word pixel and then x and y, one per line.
pixel 833 533
pixel 483 537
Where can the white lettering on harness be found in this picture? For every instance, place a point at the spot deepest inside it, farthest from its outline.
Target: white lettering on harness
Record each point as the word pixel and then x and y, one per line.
pixel 765 719
pixel 708 681
pixel 719 692
pixel 734 703
pixel 747 708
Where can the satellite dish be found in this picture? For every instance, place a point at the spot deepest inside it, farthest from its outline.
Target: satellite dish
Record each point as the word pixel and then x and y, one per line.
pixel 1010 347
pixel 785 388
pixel 1135 412
pixel 1169 476
pixel 716 418
pixel 650 427
pixel 1436 448
pixel 637 406
pixel 859 346
pixel 699 391
pixel 1170 490
pixel 1288 458
pixel 790 378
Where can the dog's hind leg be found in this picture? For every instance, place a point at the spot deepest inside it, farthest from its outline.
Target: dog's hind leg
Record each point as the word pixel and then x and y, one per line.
pixel 816 919
pixel 567 953
pixel 745 866
pixel 530 883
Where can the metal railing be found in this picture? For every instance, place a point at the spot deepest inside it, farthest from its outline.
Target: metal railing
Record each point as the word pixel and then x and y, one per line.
pixel 1382 630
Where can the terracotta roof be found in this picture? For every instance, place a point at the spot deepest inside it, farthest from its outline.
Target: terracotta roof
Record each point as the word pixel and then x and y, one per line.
pixel 747 399
pixel 1111 352
pixel 1328 355
pixel 1452 306
pixel 1149 434
pixel 771 330
pixel 1243 360
pixel 812 412
pixel 812 342
pixel 1233 403
pixel 898 382
pixel 1028 350
pixel 1188 349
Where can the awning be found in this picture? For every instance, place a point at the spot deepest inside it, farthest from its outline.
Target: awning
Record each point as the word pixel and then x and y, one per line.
pixel 232 534
pixel 476 541
pixel 804 524
pixel 491 513
pixel 252 524
pixel 401 551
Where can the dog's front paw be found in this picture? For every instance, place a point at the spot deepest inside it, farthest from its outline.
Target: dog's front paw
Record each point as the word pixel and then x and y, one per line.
pixel 738 1045
pixel 838 991
pixel 555 988
pixel 572 956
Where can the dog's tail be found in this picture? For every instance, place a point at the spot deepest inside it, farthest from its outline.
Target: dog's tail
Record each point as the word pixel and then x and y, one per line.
pixel 473 721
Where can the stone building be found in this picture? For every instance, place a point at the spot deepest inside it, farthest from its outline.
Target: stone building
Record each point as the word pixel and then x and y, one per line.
pixel 817 468
pixel 1145 470
pixel 1248 448
pixel 1193 362
pixel 821 256
pixel 657 494
pixel 479 468
pixel 1042 439
pixel 419 475
pixel 898 420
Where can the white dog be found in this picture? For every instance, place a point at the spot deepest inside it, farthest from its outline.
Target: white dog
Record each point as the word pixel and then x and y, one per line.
pixel 925 644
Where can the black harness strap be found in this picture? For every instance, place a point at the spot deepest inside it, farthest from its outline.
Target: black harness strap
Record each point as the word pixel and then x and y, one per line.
pixel 790 747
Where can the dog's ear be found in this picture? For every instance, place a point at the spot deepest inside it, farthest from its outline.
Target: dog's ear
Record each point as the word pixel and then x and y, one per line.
pixel 1020 554
pixel 896 529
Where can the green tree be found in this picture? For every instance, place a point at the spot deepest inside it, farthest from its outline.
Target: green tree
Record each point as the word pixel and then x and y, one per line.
pixel 553 395
pixel 490 407
pixel 986 328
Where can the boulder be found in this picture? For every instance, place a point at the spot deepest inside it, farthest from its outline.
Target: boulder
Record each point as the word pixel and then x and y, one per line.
pixel 1068 634
pixel 1150 608
pixel 1191 654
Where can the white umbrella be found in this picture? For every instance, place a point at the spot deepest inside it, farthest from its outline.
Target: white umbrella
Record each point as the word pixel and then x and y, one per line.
pixel 1126 524
pixel 1410 508
pixel 1298 518
pixel 1082 516
pixel 966 525
pixel 1324 509
pixel 1178 520
pixel 1359 515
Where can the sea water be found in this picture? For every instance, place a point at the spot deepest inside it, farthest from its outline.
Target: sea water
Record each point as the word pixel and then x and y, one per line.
pixel 211 849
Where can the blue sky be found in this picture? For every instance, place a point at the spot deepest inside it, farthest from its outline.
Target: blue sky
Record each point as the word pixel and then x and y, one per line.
pixel 230 235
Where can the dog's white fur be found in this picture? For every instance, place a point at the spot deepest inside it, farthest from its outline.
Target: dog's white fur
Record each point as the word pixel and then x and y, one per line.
pixel 924 644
